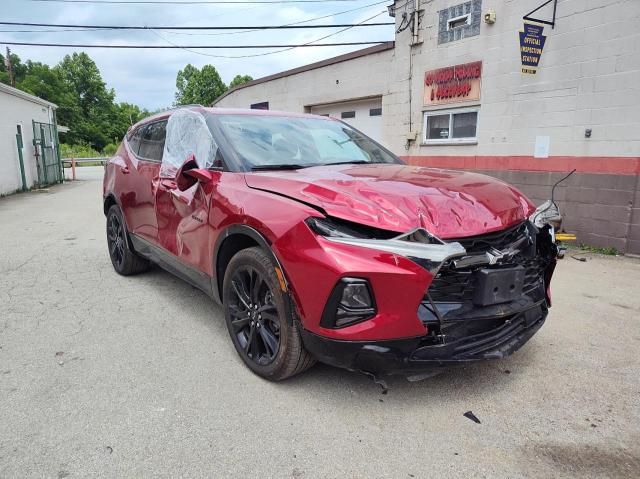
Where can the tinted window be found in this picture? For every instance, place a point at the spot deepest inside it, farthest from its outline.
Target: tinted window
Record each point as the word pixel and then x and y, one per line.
pixel 134 139
pixel 152 142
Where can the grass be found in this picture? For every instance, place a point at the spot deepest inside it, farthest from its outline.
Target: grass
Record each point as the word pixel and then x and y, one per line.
pixel 89 163
pixel 610 251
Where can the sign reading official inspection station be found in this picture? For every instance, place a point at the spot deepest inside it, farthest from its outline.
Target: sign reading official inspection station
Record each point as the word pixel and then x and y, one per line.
pixel 452 84
pixel 531 45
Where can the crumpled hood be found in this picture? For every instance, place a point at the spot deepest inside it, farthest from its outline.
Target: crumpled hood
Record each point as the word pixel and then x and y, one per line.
pixel 448 204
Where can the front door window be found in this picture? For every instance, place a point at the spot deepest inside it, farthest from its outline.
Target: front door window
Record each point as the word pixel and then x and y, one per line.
pixel 187 134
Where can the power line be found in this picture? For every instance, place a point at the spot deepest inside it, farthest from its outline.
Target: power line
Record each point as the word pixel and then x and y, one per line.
pixel 293 23
pixel 131 27
pixel 187 2
pixel 253 29
pixel 107 46
pixel 308 44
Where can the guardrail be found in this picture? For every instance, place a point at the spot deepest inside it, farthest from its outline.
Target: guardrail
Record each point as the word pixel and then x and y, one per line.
pixel 73 162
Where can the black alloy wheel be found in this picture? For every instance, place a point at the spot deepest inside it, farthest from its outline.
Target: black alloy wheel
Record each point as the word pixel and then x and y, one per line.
pixel 260 317
pixel 254 316
pixel 116 240
pixel 124 260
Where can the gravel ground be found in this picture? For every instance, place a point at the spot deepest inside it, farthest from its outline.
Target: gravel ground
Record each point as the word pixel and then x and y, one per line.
pixel 105 376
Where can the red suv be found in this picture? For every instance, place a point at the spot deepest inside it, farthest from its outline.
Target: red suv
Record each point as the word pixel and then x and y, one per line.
pixel 320 244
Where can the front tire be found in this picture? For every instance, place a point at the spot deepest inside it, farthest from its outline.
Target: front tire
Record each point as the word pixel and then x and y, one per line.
pixel 262 328
pixel 125 261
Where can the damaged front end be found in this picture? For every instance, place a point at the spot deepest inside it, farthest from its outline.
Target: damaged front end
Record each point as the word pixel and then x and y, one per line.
pixel 490 301
pixel 488 295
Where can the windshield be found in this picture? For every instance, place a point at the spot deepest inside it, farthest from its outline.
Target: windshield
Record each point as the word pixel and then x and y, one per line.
pixel 266 142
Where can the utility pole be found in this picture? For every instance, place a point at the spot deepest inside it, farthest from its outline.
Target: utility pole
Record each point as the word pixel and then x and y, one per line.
pixel 7 61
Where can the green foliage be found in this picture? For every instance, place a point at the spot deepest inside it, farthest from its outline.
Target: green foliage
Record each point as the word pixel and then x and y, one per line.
pixel 110 149
pixel 239 80
pixel 93 111
pixel 610 251
pixel 198 86
pixel 80 150
pixel 85 104
pixel 19 69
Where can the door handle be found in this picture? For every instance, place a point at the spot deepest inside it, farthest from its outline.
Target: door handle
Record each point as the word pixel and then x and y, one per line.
pixel 124 170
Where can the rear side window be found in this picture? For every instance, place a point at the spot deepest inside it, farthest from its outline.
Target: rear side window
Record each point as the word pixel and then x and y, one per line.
pixel 134 139
pixel 152 141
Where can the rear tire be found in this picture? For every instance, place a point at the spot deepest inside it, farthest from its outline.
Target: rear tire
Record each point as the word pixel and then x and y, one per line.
pixel 263 329
pixel 125 261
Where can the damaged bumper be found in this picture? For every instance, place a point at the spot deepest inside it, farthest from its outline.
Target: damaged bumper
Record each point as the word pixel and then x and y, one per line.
pixel 487 296
pixel 479 339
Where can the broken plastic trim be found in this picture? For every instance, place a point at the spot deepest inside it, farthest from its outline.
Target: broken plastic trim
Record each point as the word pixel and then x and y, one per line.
pixel 494 255
pixel 418 245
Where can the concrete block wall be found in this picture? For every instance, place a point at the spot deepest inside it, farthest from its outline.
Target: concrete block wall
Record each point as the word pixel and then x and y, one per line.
pixel 589 77
pixel 602 210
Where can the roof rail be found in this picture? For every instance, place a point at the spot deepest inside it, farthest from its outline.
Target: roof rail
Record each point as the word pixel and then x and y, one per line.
pixel 177 107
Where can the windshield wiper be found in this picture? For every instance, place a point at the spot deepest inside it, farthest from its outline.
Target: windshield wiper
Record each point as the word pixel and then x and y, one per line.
pixel 353 162
pixel 283 166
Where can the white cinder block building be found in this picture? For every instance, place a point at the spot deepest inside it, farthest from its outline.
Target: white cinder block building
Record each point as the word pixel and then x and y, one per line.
pixel 22 114
pixel 475 85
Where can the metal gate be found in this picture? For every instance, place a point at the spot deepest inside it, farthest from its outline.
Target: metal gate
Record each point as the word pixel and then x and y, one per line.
pixel 47 153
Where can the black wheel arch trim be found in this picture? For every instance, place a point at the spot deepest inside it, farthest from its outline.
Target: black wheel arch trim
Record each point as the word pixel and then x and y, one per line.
pixel 112 196
pixel 265 245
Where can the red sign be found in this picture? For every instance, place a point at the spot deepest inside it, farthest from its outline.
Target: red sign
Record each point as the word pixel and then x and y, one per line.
pixel 452 84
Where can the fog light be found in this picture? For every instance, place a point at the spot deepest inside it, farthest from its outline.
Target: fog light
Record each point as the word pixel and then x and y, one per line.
pixel 351 301
pixel 356 295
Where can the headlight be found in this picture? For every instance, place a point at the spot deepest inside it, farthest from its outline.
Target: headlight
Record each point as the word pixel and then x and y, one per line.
pixel 418 245
pixel 326 227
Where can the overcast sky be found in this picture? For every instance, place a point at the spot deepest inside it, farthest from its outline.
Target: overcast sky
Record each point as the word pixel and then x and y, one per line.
pixel 147 77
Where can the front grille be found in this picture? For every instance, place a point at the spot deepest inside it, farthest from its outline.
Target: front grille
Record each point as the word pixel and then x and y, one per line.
pixel 498 239
pixel 454 285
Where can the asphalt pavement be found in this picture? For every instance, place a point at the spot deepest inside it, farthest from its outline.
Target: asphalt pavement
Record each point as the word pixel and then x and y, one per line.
pixel 106 376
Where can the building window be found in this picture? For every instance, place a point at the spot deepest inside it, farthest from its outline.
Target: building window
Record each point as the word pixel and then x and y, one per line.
pixel 348 114
pixel 375 112
pixel 454 126
pixel 460 21
pixel 263 105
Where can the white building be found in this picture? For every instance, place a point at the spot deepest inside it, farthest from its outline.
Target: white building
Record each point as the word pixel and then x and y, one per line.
pixel 22 114
pixel 474 85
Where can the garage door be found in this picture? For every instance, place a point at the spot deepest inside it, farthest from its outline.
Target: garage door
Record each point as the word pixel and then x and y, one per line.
pixel 365 115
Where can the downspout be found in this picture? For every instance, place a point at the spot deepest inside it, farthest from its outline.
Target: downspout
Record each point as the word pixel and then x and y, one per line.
pixel 20 145
pixel 414 41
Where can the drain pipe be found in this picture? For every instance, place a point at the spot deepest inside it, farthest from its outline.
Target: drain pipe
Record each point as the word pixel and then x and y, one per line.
pixel 20 145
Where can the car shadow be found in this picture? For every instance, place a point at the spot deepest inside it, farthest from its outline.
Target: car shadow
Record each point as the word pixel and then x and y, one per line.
pixel 447 383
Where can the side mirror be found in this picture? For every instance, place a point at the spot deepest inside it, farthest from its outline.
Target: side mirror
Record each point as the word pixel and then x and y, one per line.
pixel 190 173
pixel 200 174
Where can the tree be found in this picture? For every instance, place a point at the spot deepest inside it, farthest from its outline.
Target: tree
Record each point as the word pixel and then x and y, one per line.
pixel 124 115
pixel 195 86
pixel 85 104
pixel 19 69
pixel 93 112
pixel 239 80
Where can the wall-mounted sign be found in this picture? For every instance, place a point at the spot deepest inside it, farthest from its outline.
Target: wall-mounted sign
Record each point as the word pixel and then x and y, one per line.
pixel 531 45
pixel 452 84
